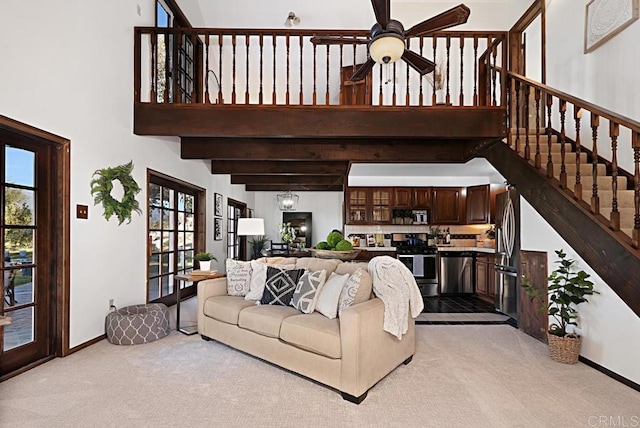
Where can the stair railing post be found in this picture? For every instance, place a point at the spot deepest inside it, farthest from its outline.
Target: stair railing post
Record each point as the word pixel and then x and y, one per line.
pixel 635 142
pixel 577 115
pixel 527 147
pixel 614 133
pixel 563 138
pixel 595 199
pixel 517 147
pixel 549 134
pixel 538 160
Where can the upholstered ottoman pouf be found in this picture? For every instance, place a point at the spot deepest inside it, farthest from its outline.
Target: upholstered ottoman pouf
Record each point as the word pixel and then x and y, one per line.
pixel 137 324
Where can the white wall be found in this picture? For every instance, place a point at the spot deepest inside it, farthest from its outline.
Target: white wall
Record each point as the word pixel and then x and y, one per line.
pixel 608 326
pixel 606 77
pixel 71 74
pixel 325 208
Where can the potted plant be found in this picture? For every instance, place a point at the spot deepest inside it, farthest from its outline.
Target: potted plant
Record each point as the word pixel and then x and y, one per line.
pixel 566 289
pixel 257 245
pixel 204 260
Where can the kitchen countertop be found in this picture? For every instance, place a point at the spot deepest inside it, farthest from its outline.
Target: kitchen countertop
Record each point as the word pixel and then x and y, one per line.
pixel 440 248
pixel 476 249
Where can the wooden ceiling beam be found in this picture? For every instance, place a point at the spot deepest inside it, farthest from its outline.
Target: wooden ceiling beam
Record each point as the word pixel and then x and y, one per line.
pixel 261 167
pixel 293 188
pixel 356 150
pixel 311 121
pixel 288 179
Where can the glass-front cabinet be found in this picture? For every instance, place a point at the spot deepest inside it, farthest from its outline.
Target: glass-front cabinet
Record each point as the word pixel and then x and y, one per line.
pixel 368 205
pixel 380 205
pixel 357 202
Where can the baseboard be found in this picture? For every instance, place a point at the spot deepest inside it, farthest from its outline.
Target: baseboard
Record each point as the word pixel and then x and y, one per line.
pixel 21 370
pixel 86 344
pixel 631 384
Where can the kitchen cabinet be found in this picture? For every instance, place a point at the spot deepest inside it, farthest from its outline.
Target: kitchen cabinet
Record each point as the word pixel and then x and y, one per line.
pixel 357 201
pixel 477 204
pixel 403 197
pixel 485 276
pixel 422 197
pixel 447 205
pixel 368 205
pixel 381 205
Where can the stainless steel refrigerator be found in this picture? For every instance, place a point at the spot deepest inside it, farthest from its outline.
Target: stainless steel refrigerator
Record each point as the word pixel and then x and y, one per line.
pixel 506 295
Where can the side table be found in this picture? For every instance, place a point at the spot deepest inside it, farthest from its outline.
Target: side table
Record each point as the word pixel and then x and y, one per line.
pixel 196 276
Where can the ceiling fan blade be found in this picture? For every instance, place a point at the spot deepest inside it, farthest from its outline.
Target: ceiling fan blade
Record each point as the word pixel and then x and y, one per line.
pixel 452 17
pixel 382 9
pixel 417 62
pixel 362 72
pixel 329 40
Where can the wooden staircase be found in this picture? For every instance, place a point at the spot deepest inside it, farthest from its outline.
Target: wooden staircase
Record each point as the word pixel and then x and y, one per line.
pixel 604 190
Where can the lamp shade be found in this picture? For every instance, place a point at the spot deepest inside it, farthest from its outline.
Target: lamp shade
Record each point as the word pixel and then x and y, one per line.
pixel 386 48
pixel 250 226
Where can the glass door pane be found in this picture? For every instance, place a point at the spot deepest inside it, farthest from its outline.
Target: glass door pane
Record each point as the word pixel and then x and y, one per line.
pixel 18 238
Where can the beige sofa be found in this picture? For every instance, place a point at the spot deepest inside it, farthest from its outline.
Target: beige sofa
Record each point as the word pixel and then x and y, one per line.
pixel 350 353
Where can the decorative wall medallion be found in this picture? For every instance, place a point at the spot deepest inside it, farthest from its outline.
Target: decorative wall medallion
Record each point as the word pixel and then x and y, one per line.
pixel 606 18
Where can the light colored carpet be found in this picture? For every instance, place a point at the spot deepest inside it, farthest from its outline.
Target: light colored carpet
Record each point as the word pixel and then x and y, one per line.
pixel 461 376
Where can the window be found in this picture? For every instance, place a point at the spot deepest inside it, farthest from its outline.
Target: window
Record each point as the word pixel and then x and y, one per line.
pixel 175 61
pixel 173 232
pixel 235 244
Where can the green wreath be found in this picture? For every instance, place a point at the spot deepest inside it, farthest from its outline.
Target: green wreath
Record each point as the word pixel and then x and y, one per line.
pixel 102 185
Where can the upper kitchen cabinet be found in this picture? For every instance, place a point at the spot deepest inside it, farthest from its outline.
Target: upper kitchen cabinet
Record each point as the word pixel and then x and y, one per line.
pixel 357 205
pixel 403 197
pixel 447 205
pixel 368 205
pixel 381 205
pixel 478 210
pixel 422 197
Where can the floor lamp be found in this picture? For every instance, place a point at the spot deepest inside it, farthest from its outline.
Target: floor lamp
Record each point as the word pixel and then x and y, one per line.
pixel 251 227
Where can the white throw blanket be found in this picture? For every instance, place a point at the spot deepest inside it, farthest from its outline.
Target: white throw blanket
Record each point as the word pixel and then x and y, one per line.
pixel 395 285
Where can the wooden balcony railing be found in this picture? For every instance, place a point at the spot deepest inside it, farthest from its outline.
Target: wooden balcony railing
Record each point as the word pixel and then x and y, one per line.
pixel 283 67
pixel 536 110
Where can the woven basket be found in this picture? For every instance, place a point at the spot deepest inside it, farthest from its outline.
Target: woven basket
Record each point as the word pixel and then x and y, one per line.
pixel 330 254
pixel 564 349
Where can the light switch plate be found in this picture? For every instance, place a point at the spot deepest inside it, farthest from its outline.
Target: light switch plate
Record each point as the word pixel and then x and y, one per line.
pixel 82 211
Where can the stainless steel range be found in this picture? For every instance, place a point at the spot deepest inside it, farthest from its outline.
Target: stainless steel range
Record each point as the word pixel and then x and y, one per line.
pixel 422 261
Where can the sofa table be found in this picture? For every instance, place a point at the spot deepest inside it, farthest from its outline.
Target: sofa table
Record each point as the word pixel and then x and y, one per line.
pixel 196 276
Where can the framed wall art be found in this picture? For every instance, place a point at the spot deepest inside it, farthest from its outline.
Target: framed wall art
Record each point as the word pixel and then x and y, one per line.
pixel 217 204
pixel 217 229
pixel 606 18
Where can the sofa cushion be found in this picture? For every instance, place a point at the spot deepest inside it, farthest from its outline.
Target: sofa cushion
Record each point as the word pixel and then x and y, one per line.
pixel 308 290
pixel 327 303
pixel 226 308
pixel 350 290
pixel 265 319
pixel 313 332
pixel 280 286
pixel 314 264
pixel 238 277
pixel 259 278
pixel 366 283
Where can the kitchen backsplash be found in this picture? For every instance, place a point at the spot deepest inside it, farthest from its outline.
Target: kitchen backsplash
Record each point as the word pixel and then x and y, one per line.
pixel 470 229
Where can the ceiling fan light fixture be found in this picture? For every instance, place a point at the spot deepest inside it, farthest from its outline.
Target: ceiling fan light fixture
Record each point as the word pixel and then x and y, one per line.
pixel 386 48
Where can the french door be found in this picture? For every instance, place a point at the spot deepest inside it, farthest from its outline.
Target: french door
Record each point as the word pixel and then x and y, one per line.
pixel 28 243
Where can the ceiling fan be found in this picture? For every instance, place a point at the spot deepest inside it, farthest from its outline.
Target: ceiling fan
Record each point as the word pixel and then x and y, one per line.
pixel 387 40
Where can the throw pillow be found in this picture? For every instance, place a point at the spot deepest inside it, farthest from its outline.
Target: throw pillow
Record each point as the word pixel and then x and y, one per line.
pixel 330 296
pixel 259 278
pixel 280 285
pixel 238 277
pixel 349 291
pixel 308 290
